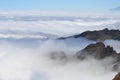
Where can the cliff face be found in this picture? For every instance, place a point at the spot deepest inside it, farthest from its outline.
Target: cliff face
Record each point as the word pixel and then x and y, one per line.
pixel 117 77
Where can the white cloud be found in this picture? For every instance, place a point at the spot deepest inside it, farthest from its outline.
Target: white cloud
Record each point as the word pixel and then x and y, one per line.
pixel 21 61
pixel 54 27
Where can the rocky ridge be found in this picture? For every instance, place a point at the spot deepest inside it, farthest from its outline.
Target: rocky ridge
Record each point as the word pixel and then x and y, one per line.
pixel 100 35
pixel 98 51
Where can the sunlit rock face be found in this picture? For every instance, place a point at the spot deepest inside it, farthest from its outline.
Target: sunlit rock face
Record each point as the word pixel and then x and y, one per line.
pixel 117 77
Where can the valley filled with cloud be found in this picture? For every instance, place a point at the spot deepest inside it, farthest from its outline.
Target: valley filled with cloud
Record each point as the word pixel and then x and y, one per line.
pixel 26 44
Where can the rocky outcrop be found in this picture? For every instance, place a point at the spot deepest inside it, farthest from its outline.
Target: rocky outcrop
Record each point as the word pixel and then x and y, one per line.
pixel 117 77
pixel 100 35
pixel 98 51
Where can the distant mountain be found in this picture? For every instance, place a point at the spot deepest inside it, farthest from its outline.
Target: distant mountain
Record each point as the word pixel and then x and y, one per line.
pixel 100 35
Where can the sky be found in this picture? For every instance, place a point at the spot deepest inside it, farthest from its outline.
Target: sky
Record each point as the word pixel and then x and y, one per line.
pixel 60 5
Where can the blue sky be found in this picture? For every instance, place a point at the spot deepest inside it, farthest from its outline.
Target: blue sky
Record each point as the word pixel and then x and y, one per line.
pixel 64 5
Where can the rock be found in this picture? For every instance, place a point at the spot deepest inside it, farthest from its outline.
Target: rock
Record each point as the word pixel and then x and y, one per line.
pixel 98 51
pixel 117 77
pixel 100 35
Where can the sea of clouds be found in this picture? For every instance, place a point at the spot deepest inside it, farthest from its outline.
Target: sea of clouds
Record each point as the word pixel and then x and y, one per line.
pixel 27 41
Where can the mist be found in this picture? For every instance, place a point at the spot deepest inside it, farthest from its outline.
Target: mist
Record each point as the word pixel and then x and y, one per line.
pixel 26 47
pixel 20 62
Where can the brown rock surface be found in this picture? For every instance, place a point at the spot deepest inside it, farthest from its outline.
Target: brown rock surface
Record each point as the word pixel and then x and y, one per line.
pixel 117 77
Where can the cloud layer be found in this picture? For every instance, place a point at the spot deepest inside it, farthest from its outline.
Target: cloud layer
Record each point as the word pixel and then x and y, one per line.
pixel 20 62
pixel 27 58
pixel 42 27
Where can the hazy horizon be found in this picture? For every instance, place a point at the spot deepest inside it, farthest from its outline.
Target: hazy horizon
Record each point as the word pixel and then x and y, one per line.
pixel 64 7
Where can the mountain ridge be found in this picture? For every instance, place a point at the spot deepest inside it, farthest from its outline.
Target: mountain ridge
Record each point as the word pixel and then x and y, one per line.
pixel 97 35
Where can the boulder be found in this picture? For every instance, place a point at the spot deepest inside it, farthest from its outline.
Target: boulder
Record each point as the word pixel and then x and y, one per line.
pixel 117 77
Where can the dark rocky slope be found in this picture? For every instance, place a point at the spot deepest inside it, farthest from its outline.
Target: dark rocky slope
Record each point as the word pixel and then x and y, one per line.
pixel 98 51
pixel 100 35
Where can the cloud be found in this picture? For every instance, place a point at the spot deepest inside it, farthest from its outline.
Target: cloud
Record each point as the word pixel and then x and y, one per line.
pixel 20 61
pixel 23 63
pixel 18 27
